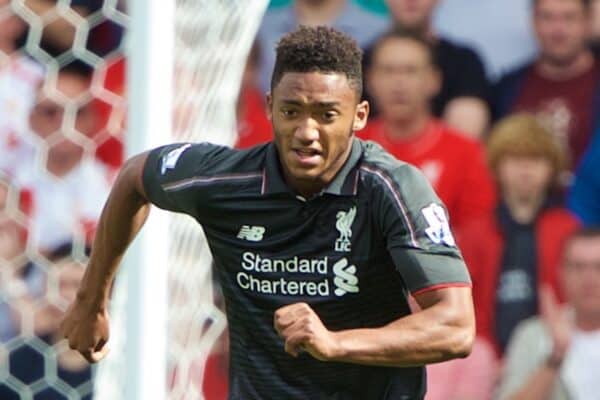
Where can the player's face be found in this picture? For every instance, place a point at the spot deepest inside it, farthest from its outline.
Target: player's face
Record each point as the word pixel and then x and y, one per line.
pixel 524 177
pixel 402 79
pixel 314 117
pixel 412 14
pixel 581 275
pixel 561 29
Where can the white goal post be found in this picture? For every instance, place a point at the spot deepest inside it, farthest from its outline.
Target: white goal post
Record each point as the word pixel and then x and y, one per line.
pixel 163 297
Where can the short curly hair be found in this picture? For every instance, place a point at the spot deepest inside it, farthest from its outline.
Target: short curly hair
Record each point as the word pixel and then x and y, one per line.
pixel 319 49
pixel 523 135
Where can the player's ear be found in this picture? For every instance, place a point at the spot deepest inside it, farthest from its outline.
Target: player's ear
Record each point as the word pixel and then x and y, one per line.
pixel 269 106
pixel 361 115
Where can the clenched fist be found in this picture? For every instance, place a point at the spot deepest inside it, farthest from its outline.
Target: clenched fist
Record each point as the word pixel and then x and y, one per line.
pixel 85 326
pixel 302 330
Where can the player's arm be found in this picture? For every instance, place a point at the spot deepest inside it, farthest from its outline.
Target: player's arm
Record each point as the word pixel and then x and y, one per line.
pixel 444 329
pixel 125 211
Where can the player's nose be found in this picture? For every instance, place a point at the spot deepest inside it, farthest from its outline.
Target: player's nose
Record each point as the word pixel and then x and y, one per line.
pixel 307 130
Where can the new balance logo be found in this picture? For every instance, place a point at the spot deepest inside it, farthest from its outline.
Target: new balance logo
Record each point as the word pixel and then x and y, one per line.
pixel 251 233
pixel 345 279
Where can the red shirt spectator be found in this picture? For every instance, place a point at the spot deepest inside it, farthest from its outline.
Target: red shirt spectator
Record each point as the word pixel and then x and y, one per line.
pixel 482 245
pixel 562 85
pixel 110 150
pixel 253 125
pixel 566 106
pixel 512 251
pixel 453 163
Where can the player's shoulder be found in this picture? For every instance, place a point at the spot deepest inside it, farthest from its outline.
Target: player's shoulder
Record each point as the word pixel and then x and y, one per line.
pixel 383 170
pixel 211 159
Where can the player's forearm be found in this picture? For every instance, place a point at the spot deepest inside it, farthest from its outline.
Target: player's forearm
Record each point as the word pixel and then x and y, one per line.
pixel 123 216
pixel 436 334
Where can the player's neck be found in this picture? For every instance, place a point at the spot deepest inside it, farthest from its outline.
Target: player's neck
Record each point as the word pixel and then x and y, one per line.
pixel 551 69
pixel 406 128
pixel 523 209
pixel 313 12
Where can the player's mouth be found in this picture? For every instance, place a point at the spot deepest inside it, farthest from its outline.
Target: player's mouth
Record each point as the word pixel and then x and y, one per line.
pixel 307 157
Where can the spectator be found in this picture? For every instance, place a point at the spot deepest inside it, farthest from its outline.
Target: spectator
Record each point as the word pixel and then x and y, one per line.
pixel 67 194
pixel 464 88
pixel 584 196
pixel 402 79
pixel 595 22
pixel 556 354
pixel 59 34
pixel 341 14
pixel 19 79
pixel 253 125
pixel 515 249
pixel 561 86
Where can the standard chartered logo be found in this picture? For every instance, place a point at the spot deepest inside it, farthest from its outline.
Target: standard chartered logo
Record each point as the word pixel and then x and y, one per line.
pixel 345 278
pixel 296 276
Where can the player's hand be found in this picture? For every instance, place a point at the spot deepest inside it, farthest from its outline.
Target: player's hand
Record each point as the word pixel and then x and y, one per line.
pixel 302 330
pixel 85 326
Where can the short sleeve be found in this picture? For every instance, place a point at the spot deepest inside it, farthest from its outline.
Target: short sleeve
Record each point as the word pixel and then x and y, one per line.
pixel 171 171
pixel 414 223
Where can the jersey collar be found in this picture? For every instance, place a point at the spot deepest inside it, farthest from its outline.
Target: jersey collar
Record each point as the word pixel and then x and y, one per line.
pixel 345 182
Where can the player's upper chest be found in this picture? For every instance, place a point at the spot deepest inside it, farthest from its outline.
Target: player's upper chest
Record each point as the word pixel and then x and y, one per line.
pixel 327 224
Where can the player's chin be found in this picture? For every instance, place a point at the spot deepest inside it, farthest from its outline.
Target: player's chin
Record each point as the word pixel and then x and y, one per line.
pixel 307 174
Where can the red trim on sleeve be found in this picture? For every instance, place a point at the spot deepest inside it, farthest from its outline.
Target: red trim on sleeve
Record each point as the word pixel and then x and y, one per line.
pixel 441 286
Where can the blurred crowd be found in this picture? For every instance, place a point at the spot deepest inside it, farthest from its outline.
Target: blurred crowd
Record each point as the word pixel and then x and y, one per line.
pixel 496 101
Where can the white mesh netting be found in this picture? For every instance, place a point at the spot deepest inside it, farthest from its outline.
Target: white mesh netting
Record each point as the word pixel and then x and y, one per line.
pixel 62 112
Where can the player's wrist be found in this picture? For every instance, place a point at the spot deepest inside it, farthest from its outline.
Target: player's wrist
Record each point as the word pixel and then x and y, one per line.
pixel 339 348
pixel 92 301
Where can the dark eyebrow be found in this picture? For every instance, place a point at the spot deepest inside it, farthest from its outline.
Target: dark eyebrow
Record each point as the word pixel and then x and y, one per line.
pixel 321 104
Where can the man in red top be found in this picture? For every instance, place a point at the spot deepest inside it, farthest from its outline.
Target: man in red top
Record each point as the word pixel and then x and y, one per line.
pixel 562 85
pixel 403 79
pixel 253 124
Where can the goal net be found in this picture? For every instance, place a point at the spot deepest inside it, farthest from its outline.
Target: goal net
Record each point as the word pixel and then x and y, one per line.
pixel 63 121
pixel 61 129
